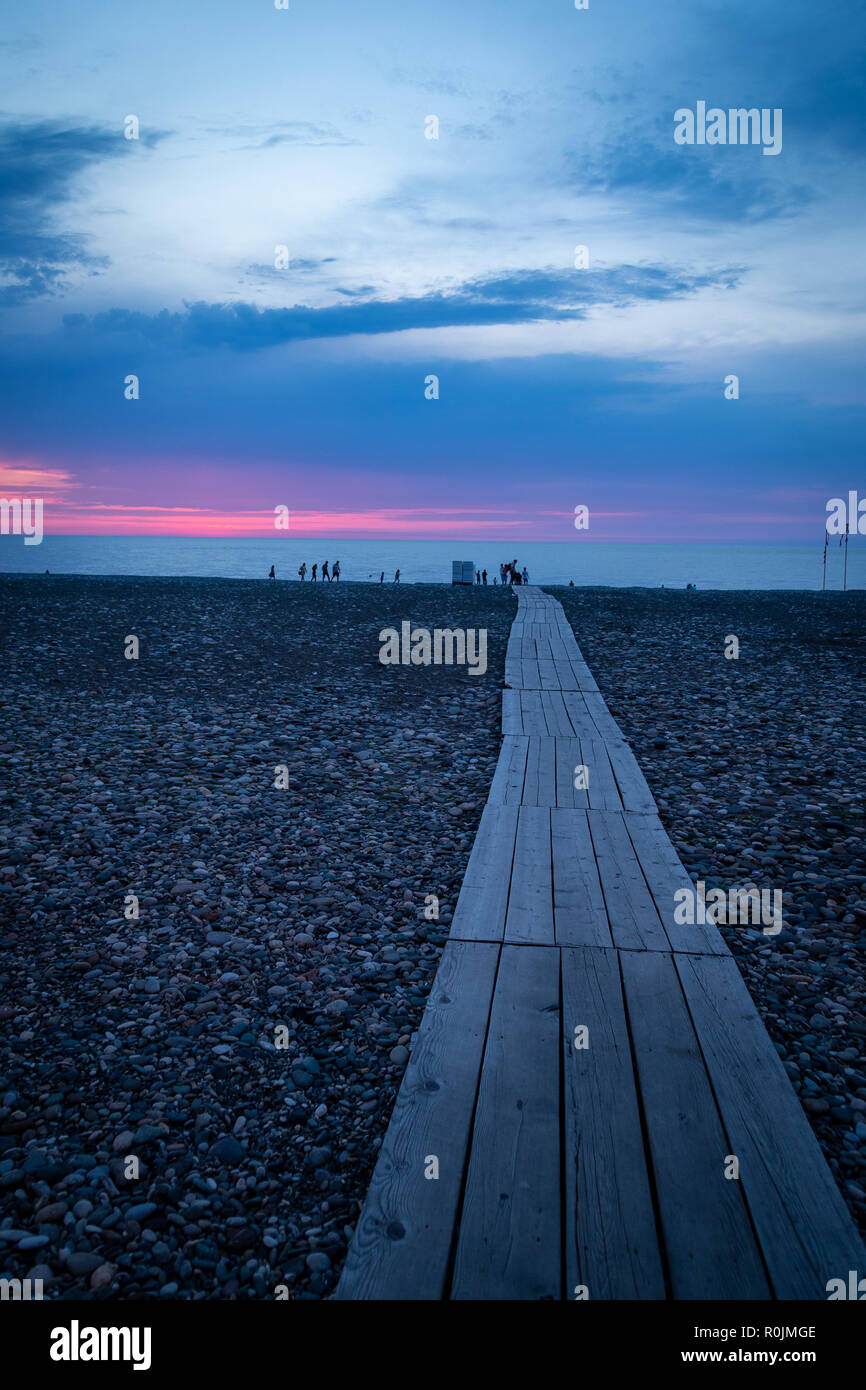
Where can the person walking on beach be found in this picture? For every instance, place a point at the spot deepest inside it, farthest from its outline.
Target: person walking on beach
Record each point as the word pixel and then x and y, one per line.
pixel 325 574
pixel 272 575
pixel 483 576
pixel 303 570
pixel 396 576
pixel 313 573
pixel 525 575
pixel 336 570
pixel 382 577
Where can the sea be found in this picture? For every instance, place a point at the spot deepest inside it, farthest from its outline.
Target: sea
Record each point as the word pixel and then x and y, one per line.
pixel 619 564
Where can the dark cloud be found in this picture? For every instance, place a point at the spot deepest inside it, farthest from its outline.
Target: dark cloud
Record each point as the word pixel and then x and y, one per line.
pixel 515 297
pixel 40 164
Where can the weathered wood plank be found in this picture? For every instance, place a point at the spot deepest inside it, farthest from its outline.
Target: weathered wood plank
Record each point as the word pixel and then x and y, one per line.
pixel 665 875
pixel 402 1243
pixel 540 782
pixel 506 789
pixel 555 713
pixel 582 723
pixel 512 717
pixel 530 899
pixel 569 758
pixel 510 1226
pixel 480 911
pixel 579 912
pixel 633 788
pixel 534 722
pixel 603 789
pixel 634 922
pixel 708 1240
pixel 803 1226
pixel 611 1243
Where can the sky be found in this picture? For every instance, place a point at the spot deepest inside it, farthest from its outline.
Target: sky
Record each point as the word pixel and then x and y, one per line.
pixel 307 385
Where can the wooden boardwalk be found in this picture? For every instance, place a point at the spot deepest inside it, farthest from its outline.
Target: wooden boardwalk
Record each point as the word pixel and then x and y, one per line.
pixel 520 1163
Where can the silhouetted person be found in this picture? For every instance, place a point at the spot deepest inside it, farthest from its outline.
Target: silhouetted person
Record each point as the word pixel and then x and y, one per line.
pixel 303 570
pixel 477 576
pixel 502 574
pixel 571 583
pixel 325 574
pixel 483 576
pixel 382 577
pixel 272 575
pixel 396 576
pixel 313 573
pixel 525 575
pixel 336 570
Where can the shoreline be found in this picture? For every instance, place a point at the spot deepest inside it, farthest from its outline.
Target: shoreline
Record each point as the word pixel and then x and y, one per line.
pixel 557 590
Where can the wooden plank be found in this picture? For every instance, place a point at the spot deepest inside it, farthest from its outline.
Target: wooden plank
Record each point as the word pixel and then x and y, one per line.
pixel 568 758
pixel 582 676
pixel 402 1243
pixel 806 1234
pixel 555 713
pixel 540 783
pixel 708 1240
pixel 480 911
pixel 579 913
pixel 506 789
pixel 633 789
pixel 534 722
pixel 548 677
pixel 510 1226
pixel 665 875
pixel 513 672
pixel 530 899
pixel 603 790
pixel 582 723
pixel 634 922
pixel 611 1243
pixel 512 718
pixel 603 719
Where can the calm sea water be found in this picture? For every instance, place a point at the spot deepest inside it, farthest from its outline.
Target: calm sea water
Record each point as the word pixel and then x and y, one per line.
pixel 708 565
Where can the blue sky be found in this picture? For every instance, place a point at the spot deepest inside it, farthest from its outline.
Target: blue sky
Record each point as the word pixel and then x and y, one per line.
pixel 410 257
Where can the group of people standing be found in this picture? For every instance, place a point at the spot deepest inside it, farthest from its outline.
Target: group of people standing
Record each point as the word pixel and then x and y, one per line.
pixel 508 574
pixel 333 574
pixel 512 574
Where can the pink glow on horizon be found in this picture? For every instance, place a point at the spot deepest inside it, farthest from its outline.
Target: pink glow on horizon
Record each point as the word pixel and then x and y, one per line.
pixel 66 512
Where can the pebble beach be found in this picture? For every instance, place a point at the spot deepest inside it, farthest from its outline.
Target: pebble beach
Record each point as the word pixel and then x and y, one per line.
pixel 245 1037
pixel 301 908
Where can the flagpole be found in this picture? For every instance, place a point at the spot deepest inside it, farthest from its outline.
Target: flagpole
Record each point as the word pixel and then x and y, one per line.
pixel 824 580
pixel 845 567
